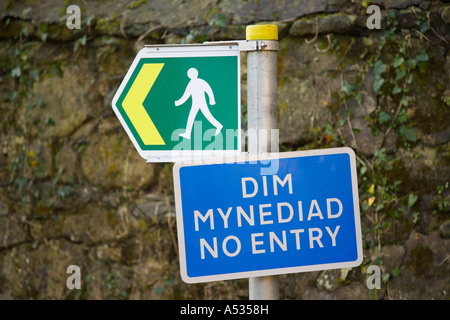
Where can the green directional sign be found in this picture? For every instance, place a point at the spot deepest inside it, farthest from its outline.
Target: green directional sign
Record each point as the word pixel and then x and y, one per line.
pixel 182 102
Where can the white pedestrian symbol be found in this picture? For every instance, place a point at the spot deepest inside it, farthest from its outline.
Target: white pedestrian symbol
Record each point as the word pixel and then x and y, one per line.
pixel 197 89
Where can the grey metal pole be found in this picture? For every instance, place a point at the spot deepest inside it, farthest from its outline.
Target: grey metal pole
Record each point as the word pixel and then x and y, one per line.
pixel 261 99
pixel 262 118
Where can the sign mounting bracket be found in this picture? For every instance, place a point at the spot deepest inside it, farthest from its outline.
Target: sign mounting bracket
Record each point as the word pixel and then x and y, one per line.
pixel 249 45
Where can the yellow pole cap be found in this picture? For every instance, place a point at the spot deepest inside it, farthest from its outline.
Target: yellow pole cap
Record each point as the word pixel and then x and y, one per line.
pixel 262 32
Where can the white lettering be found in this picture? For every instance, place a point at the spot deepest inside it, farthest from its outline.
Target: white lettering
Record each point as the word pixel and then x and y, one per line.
pixel 315 238
pixel 262 214
pixel 204 244
pixel 336 215
pixel 238 244
pixel 297 237
pixel 300 211
pixel 280 213
pixel 265 185
pixel 282 245
pixel 314 214
pixel 241 212
pixel 244 187
pixel 256 243
pixel 277 180
pixel 333 235
pixel 209 215
pixel 225 216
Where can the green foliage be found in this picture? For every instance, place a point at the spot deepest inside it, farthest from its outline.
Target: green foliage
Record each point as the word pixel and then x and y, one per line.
pixel 113 288
pixel 219 21
pixel 28 166
pixel 206 32
pixel 396 66
pixel 442 204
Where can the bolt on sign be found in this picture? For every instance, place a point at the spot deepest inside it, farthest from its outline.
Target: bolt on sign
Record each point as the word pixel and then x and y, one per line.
pixel 234 221
pixel 180 102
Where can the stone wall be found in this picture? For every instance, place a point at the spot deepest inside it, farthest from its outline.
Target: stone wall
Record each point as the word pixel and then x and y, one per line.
pixel 73 190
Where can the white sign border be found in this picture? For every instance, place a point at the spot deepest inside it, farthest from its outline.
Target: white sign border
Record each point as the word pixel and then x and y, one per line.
pixel 277 271
pixel 187 51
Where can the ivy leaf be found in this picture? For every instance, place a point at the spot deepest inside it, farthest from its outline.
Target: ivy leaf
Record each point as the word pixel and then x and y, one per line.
pixel 220 21
pixel 378 84
pixel 380 67
pixel 396 90
pixel 16 72
pixel 26 11
pixel 404 101
pixel 398 60
pixel 49 121
pixel 422 56
pixel 56 69
pixel 412 200
pixel 400 74
pixel 34 74
pixel 410 78
pixel 424 27
pixel 43 31
pixel 409 133
pixel 348 88
pixel 89 20
pixel 395 271
pixel 412 63
pixel 383 117
pixel 403 116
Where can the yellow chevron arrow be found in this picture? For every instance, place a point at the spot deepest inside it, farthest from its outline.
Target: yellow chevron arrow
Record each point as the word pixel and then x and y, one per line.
pixel 133 104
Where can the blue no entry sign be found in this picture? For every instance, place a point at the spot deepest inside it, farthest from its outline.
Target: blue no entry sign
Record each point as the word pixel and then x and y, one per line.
pixel 236 220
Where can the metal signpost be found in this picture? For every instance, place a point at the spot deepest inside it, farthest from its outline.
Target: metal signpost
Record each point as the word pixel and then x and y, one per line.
pixel 256 215
pixel 235 222
pixel 261 46
pixel 262 117
pixel 181 102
